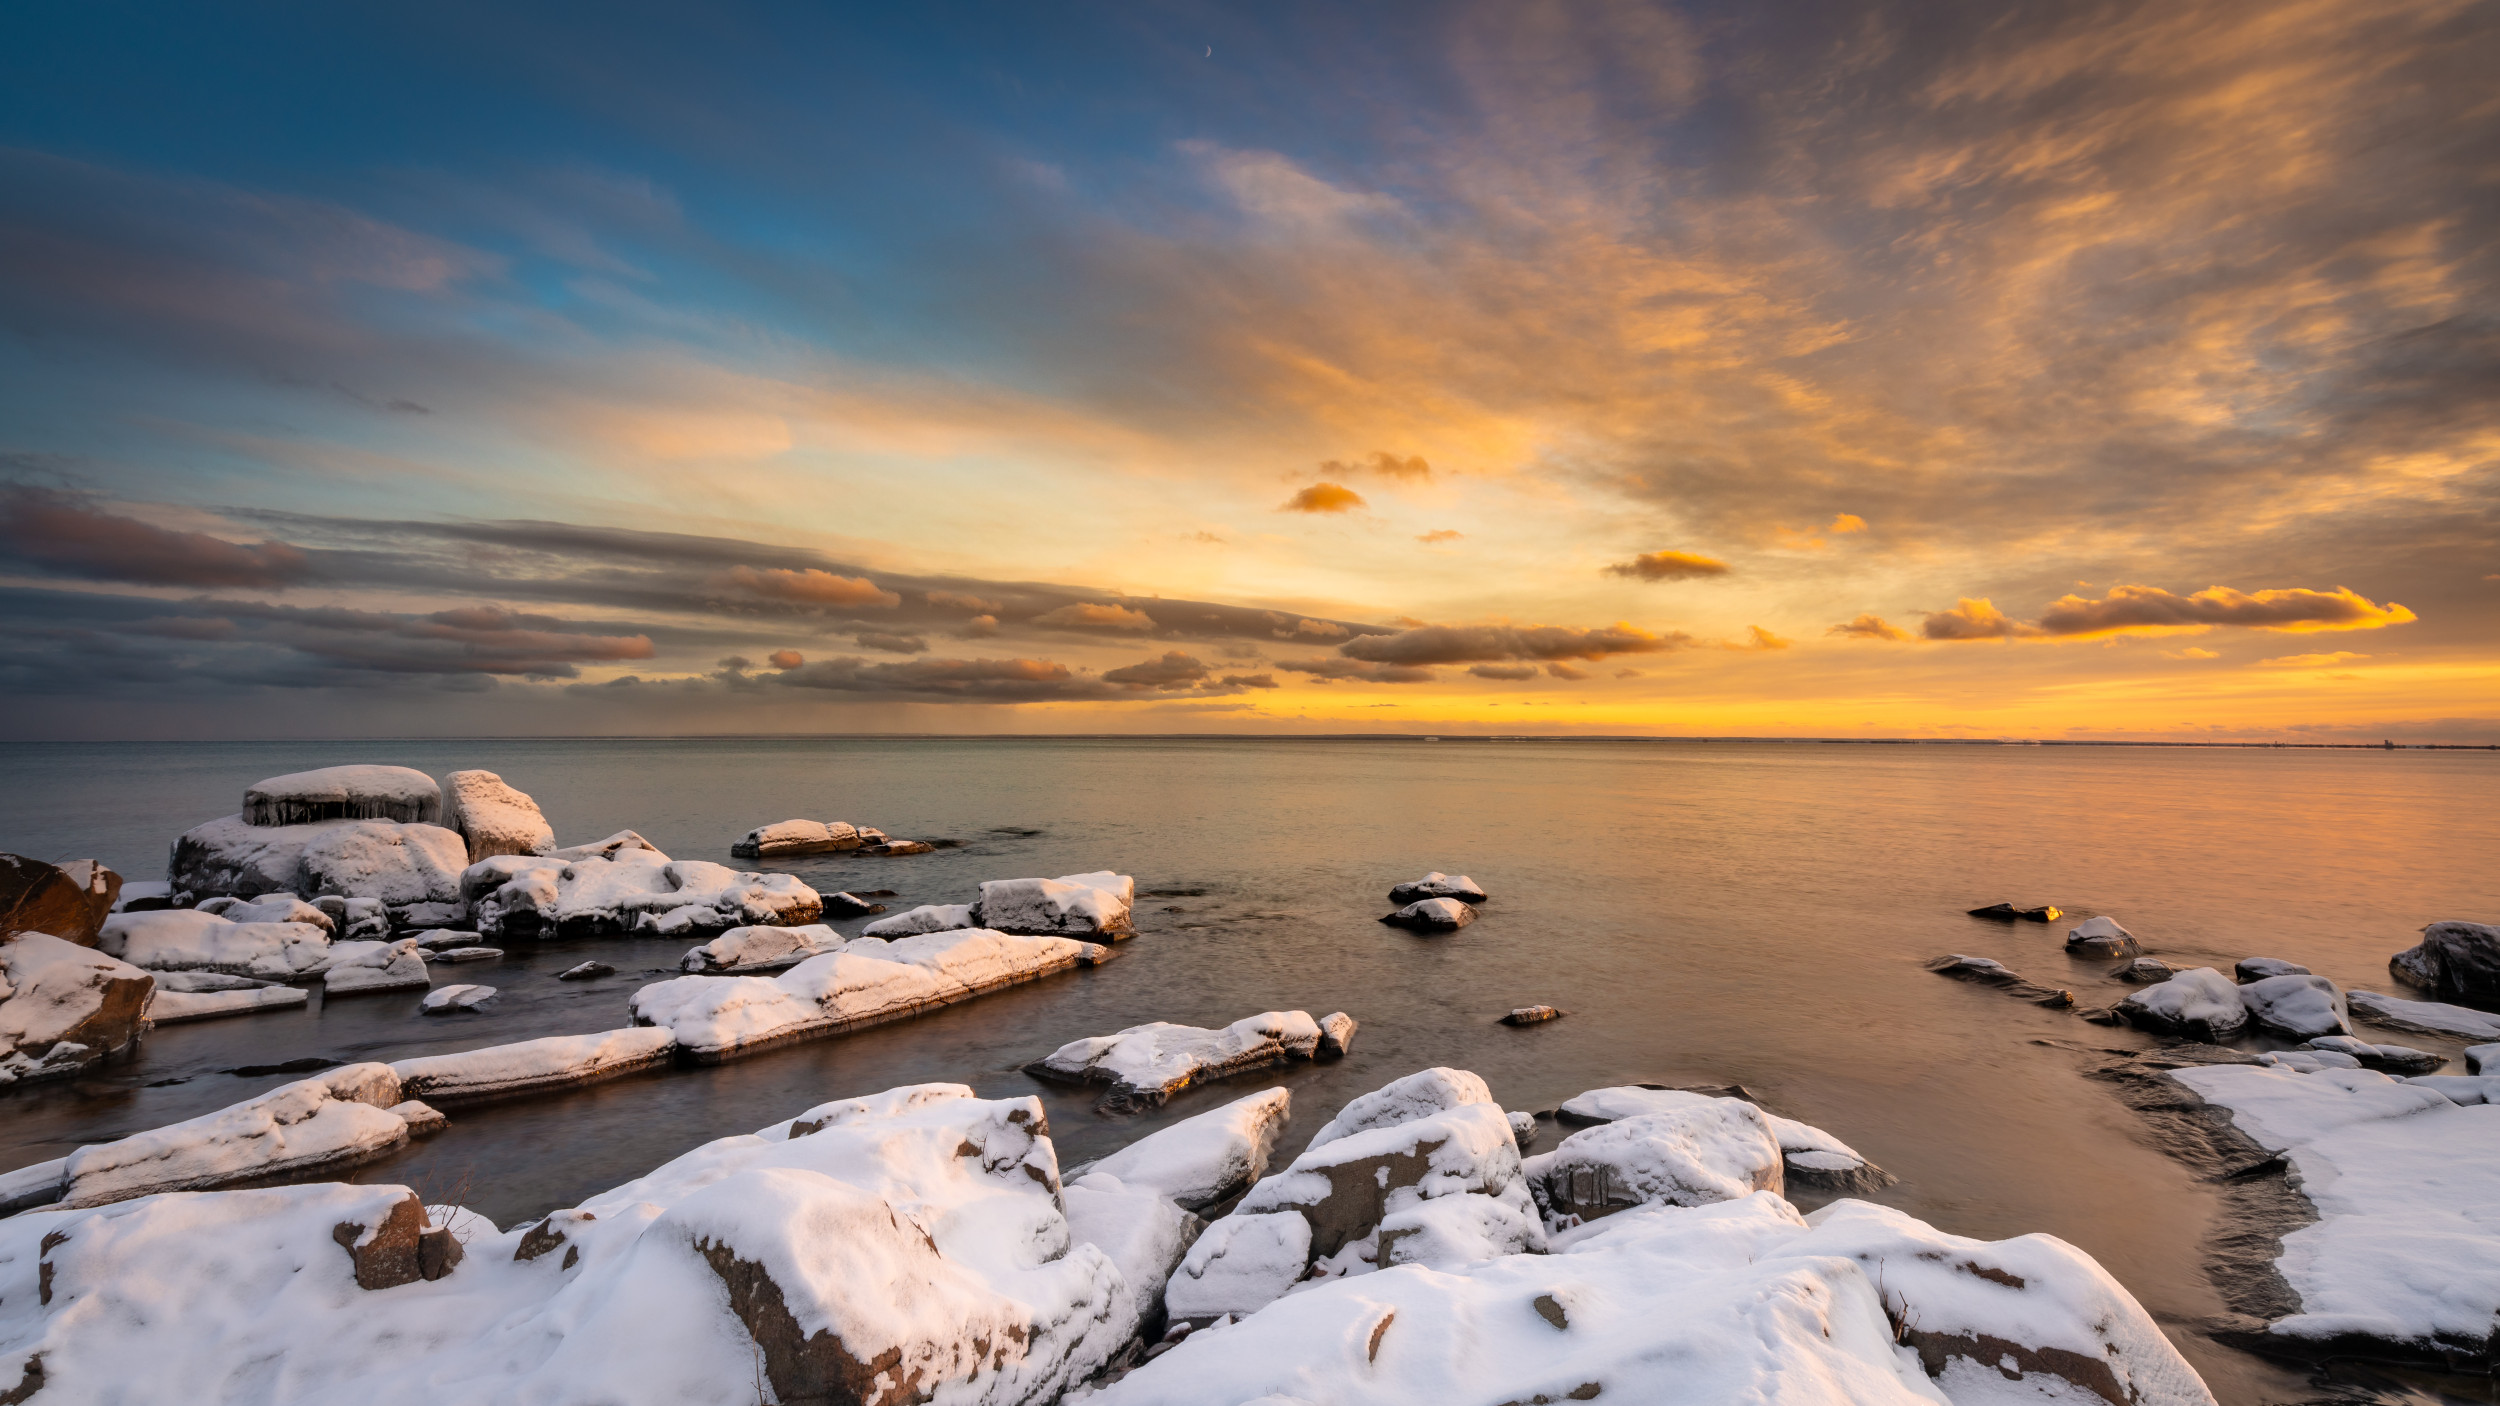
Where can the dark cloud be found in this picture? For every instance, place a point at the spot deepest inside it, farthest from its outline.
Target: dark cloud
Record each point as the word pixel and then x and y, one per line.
pixel 1333 670
pixel 2151 609
pixel 58 534
pixel 891 644
pixel 957 680
pixel 1174 670
pixel 1249 681
pixel 1464 644
pixel 1566 671
pixel 1668 566
pixel 1513 673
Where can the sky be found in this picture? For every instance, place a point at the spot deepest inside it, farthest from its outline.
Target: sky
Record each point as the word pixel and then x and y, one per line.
pixel 1851 369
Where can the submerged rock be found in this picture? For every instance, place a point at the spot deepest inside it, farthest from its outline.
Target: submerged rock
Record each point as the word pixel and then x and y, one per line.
pixel 68 901
pixel 585 971
pixel 2101 937
pixel 493 817
pixel 896 849
pixel 847 905
pixel 2144 970
pixel 345 793
pixel 1145 1065
pixel 2007 912
pixel 64 1007
pixel 1433 915
pixel 1438 885
pixel 2457 962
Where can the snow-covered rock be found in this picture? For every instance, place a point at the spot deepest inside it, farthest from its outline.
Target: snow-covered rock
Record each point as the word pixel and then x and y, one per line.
pixel 1690 1153
pixel 859 983
pixel 201 983
pixel 1140 1232
pixel 585 971
pixel 1810 1157
pixel 174 1007
pixel 2200 1003
pixel 354 917
pixel 2102 937
pixel 1432 915
pixel 180 939
pixel 457 955
pixel 1532 1015
pixel 756 949
pixel 140 895
pixel 2405 1254
pixel 334 1119
pixel 1146 1064
pixel 1738 1301
pixel 1422 1094
pixel 406 866
pixel 2146 970
pixel 928 917
pixel 69 901
pixel 357 967
pixel 896 849
pixel 2301 1007
pixel 448 1000
pixel 1072 905
pixel 2394 1059
pixel 2309 1061
pixel 345 793
pixel 271 908
pixel 28 1187
pixel 608 848
pixel 1239 1265
pixel 1438 885
pixel 1200 1161
pixel 796 837
pixel 2425 1017
pixel 554 1062
pixel 493 817
pixel 634 890
pixel 1336 1035
pixel 2455 961
pixel 64 1007
pixel 2482 1059
pixel 2259 968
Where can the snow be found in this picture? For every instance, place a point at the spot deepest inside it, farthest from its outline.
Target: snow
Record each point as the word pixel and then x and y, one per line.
pixel 608 848
pixel 1199 1161
pixel 445 1000
pixel 2200 1002
pixel 63 1006
pixel 345 793
pixel 375 966
pixel 493 817
pixel 1240 1264
pixel 179 939
pixel 1422 1094
pixel 634 890
pixel 2406 1183
pixel 1438 885
pixel 557 1060
pixel 2460 1088
pixel 1336 1035
pixel 457 955
pixel 2480 1059
pixel 269 908
pixel 27 1187
pixel 796 837
pixel 402 865
pixel 333 1119
pixel 1076 905
pixel 1138 1230
pixel 2401 1059
pixel 1433 915
pixel 355 917
pixel 1807 1152
pixel 174 1007
pixel 2101 937
pixel 760 949
pixel 1687 1154
pixel 2302 1007
pixel 858 983
pixel 928 917
pixel 2427 1017
pixel 153 892
pixel 1450 1231
pixel 1144 1065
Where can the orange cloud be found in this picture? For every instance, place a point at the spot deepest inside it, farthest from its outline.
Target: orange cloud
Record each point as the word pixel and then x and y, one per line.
pixel 1974 620
pixel 1439 534
pixel 1324 498
pixel 2191 652
pixel 1848 522
pixel 785 659
pixel 1869 627
pixel 2149 609
pixel 1383 463
pixel 1669 566
pixel 1757 637
pixel 2311 661
pixel 810 586
pixel 1088 616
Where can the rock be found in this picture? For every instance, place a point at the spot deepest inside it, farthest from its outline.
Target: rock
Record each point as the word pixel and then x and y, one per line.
pixel 1810 1157
pixel 406 866
pixel 584 971
pixel 1438 885
pixel 2309 1061
pixel 1198 1162
pixel 2005 911
pixel 345 793
pixel 202 983
pixel 178 939
pixel 446 940
pixel 270 908
pixel 64 1006
pixel 2427 1017
pixel 355 917
pixel 144 895
pixel 2301 1007
pixel 39 1184
pixel 2394 1059
pixel 1144 1065
pixel 895 849
pixel 2259 968
pixel 68 901
pixel 332 1120
pixel 609 848
pixel 2046 913
pixel 1532 1015
pixel 632 890
pixel 1987 971
pixel 2144 970
pixel 447 1000
pixel 1432 915
pixel 2101 937
pixel 758 949
pixel 1336 1035
pixel 928 917
pixel 2458 962
pixel 1523 1129
pixel 557 1061
pixel 2199 1003
pixel 1689 1154
pixel 792 837
pixel 1072 905
pixel 1141 1233
pixel 175 1007
pixel 457 955
pixel 493 817
pixel 423 1120
pixel 2482 1059
pixel 844 905
pixel 359 967
pixel 1241 1264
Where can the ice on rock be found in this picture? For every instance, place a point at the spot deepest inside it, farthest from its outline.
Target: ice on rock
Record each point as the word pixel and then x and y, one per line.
pixel 1072 905
pixel 752 949
pixel 64 1006
pixel 553 1062
pixel 2426 1017
pixel 178 939
pixel 1810 1157
pixel 928 917
pixel 1687 1154
pixel 2309 1061
pixel 2405 1253
pixel 1432 915
pixel 791 837
pixel 1200 1161
pixel 2200 1003
pixel 1146 1064
pixel 631 890
pixel 493 817
pixel 2102 937
pixel 357 967
pixel 448 1000
pixel 334 1119
pixel 345 793
pixel 1438 885
pixel 2456 962
pixel 2301 1007
pixel 175 1007
pixel 2259 968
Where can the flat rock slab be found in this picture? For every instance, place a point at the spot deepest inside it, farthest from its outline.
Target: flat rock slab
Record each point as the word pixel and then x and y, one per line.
pixel 1145 1065
pixel 175 1007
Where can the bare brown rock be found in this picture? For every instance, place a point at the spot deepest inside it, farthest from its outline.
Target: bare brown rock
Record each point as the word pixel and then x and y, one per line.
pixel 69 901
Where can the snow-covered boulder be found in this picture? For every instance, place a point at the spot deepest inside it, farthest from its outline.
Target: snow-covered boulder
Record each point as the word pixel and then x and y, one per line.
pixel 2251 969
pixel 2394 1059
pixel 2199 1003
pixel 1810 1157
pixel 928 917
pixel 450 1000
pixel 493 817
pixel 758 949
pixel 270 908
pixel 608 848
pixel 2455 961
pixel 184 939
pixel 354 917
pixel 1438 885
pixel 1690 1154
pixel 1072 905
pixel 1239 1265
pixel 334 1119
pixel 1422 1094
pixel 1143 1234
pixel 1336 1035
pixel 791 837
pixel 175 1007
pixel 556 1061
pixel 70 901
pixel 2101 937
pixel 64 1007
pixel 2301 1007
pixel 2426 1017
pixel 358 967
pixel 345 793
pixel 632 890
pixel 413 869
pixel 1432 915
pixel 860 983
pixel 1144 1065
pixel 1200 1161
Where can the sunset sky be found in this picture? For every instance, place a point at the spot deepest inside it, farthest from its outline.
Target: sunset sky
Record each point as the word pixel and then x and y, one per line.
pixel 1849 369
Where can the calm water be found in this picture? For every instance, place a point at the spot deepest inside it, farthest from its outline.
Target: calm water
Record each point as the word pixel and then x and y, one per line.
pixel 1708 913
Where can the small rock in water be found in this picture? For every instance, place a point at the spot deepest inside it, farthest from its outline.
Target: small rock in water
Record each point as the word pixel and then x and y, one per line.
pixel 445 999
pixel 1531 1015
pixel 443 940
pixel 2145 970
pixel 468 954
pixel 1523 1129
pixel 1336 1035
pixel 585 971
pixel 2045 913
pixel 872 893
pixel 2259 968
pixel 895 848
pixel 423 1119
pixel 1439 885
pixel 1433 915
pixel 850 905
pixel 2101 937
pixel 2006 911
pixel 1989 972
